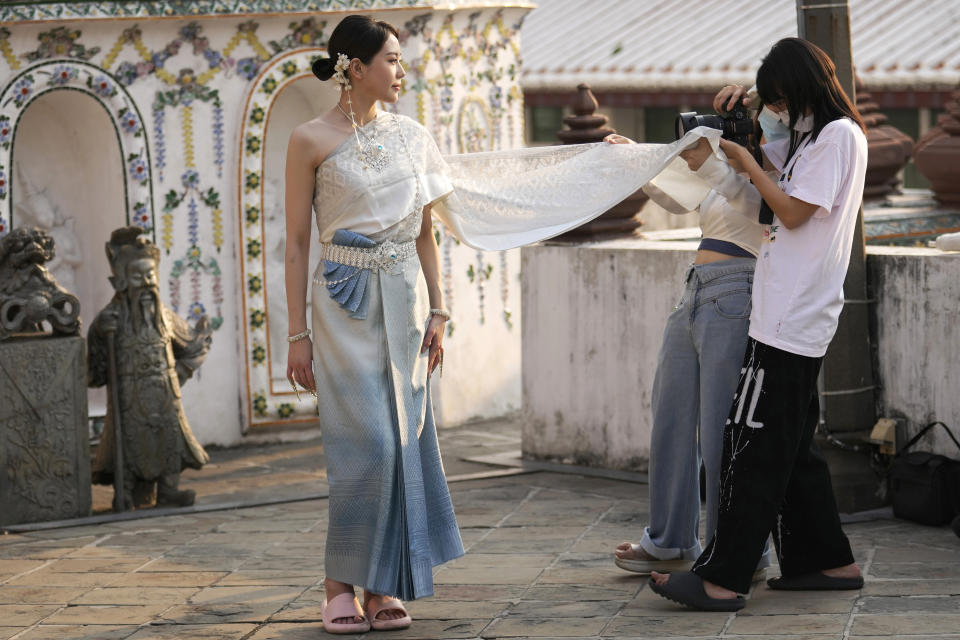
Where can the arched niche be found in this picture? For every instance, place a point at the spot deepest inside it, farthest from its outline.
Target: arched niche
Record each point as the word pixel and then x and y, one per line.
pixel 61 76
pixel 301 100
pixel 68 179
pixel 284 95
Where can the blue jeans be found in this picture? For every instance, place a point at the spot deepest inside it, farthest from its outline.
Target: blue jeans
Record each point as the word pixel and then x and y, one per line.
pixel 697 372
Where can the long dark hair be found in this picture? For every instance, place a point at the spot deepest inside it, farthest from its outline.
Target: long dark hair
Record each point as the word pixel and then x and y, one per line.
pixel 357 36
pixel 803 75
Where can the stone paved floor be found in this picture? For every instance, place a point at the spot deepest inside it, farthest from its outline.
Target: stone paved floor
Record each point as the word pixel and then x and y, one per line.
pixel 538 566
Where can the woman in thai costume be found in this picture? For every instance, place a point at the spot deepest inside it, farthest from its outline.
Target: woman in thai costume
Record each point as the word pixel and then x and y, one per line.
pixel 374 181
pixel 373 345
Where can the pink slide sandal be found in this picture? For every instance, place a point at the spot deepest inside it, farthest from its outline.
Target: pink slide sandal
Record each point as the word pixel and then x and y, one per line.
pixel 387 604
pixel 344 605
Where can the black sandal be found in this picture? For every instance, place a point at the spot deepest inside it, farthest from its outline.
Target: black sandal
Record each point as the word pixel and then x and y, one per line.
pixel 815 581
pixel 686 588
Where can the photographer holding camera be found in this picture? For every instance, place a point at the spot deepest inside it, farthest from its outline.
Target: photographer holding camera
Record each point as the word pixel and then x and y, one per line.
pixel 697 366
pixel 773 479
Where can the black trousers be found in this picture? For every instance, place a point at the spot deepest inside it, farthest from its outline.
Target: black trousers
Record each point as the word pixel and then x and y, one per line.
pixel 773 478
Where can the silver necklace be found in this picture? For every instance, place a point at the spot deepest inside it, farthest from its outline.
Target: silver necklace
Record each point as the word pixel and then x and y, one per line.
pixel 372 154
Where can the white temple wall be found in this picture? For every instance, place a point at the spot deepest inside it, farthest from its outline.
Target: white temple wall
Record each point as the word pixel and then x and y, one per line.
pixel 918 342
pixel 193 85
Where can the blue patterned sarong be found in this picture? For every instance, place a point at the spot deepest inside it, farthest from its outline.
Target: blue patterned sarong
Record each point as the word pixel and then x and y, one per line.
pixel 391 518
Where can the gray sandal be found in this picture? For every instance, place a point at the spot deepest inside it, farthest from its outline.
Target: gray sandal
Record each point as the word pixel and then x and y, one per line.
pixel 686 588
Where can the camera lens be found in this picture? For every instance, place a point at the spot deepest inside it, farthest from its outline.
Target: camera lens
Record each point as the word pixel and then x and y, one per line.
pixel 691 120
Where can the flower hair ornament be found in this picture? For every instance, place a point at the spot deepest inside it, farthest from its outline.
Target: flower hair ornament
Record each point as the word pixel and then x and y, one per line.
pixel 340 75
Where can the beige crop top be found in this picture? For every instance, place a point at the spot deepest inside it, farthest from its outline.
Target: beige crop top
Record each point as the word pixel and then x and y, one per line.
pixel 731 209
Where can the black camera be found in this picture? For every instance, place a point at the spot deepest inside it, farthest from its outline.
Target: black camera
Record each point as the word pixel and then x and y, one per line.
pixel 736 124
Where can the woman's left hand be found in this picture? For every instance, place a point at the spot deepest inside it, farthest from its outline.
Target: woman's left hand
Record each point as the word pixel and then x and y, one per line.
pixel 433 340
pixel 697 154
pixel 735 151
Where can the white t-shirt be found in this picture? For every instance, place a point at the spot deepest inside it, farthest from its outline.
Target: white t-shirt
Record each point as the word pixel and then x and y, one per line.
pixel 798 283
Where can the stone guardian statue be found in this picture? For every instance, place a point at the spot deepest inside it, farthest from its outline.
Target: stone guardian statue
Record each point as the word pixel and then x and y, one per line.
pixel 156 351
pixel 29 296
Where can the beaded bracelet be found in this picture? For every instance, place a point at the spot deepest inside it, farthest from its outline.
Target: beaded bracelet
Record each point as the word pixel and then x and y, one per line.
pixel 443 313
pixel 298 336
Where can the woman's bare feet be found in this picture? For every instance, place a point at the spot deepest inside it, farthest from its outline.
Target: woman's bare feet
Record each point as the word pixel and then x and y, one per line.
pixel 384 614
pixel 628 551
pixel 332 589
pixel 712 590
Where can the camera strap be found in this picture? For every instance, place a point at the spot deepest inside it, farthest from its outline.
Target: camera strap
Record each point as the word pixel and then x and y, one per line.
pixel 796 143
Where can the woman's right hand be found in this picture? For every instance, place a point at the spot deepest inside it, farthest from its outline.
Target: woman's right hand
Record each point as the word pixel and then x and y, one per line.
pixel 300 364
pixel 616 138
pixel 727 97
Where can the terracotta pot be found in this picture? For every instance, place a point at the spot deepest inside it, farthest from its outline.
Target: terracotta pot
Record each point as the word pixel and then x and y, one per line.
pixel 937 155
pixel 888 148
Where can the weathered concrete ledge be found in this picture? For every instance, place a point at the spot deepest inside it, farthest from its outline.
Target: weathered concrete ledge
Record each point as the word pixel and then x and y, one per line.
pixel 594 316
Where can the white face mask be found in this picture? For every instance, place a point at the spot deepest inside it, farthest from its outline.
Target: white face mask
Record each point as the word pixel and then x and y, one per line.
pixel 773 127
pixel 803 124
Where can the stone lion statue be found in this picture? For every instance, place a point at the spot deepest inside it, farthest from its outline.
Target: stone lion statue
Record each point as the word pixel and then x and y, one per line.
pixel 29 296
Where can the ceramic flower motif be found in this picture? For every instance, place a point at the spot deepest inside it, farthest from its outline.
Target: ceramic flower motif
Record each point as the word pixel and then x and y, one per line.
pixel 102 86
pixel 22 90
pixel 190 179
pixel 197 311
pixel 252 181
pixel 496 97
pixel 6 131
pixel 446 99
pixel 257 318
pixel 269 85
pixel 248 68
pixel 140 216
pixel 62 74
pixel 137 168
pixel 253 214
pixel 129 121
pixel 260 404
pixel 253 144
pixel 127 73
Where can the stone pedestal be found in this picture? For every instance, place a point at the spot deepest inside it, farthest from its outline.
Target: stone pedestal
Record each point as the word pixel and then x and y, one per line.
pixel 585 126
pixel 44 444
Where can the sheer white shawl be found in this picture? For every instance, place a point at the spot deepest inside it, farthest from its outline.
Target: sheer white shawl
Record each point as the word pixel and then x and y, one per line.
pixel 500 199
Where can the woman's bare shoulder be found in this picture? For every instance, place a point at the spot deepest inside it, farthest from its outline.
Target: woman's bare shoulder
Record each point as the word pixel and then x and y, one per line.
pixel 317 138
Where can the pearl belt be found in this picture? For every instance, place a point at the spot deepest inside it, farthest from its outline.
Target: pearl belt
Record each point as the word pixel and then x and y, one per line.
pixel 387 256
